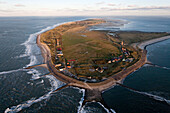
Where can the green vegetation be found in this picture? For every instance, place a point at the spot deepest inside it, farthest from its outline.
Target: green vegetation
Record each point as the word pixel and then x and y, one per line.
pixel 85 49
pixel 94 54
pixel 136 36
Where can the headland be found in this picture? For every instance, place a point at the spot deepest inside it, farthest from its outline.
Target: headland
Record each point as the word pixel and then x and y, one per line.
pixel 110 56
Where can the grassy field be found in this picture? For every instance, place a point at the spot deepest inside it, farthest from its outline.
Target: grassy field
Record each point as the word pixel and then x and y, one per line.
pixel 136 36
pixel 92 45
pixel 93 49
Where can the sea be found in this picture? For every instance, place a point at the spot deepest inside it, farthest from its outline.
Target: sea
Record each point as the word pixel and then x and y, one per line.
pixel 32 91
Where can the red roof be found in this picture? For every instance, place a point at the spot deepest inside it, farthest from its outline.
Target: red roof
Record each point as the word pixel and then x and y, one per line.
pixel 71 60
pixel 59 49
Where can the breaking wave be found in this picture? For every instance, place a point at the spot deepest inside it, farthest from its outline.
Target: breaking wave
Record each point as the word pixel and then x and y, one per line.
pixel 11 71
pixel 31 47
pixel 156 97
pixel 107 109
pixel 81 101
pixel 153 96
pixel 30 51
pixel 27 104
pixel 55 84
pixel 35 74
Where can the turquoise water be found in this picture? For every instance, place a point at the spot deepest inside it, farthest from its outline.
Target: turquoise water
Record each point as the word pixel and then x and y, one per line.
pixel 29 91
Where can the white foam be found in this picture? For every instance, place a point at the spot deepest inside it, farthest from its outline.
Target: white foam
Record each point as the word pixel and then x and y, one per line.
pixel 35 74
pixel 79 110
pixel 41 82
pixel 11 71
pixel 28 103
pixel 106 108
pixel 156 97
pixel 30 48
pixel 29 45
pixel 55 84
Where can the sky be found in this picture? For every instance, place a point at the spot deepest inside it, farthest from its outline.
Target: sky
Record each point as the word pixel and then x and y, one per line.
pixel 84 7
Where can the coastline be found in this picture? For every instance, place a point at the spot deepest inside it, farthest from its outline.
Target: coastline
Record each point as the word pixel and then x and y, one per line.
pixel 144 44
pixel 93 91
pixel 103 85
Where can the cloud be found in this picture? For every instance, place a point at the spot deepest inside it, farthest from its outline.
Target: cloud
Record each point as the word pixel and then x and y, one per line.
pixel 2 2
pixel 100 3
pixel 111 4
pixel 149 8
pixel 5 11
pixel 19 5
pixel 134 7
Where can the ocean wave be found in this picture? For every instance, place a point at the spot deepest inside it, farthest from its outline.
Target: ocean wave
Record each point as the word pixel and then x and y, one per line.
pixel 156 97
pixel 153 96
pixel 11 71
pixel 55 84
pixel 35 74
pixel 81 101
pixel 21 56
pixel 107 110
pixel 28 103
pixel 31 47
pixel 89 109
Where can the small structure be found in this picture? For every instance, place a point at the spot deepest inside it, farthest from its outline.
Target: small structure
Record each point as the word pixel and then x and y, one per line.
pixel 57 65
pixel 62 68
pixel 123 60
pixel 122 43
pixel 60 53
pixel 109 62
pixel 100 70
pixel 129 59
pixel 71 60
pixel 68 65
pixel 59 49
pixel 113 60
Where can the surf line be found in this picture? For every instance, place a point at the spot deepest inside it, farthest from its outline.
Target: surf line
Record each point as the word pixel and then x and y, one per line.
pixel 155 65
pixel 12 71
pixel 155 97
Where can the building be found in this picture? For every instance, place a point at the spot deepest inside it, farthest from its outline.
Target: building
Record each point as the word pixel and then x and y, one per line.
pixel 60 53
pixel 57 65
pixel 100 70
pixel 62 68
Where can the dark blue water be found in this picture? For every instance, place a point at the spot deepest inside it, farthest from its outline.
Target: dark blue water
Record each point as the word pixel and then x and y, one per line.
pixel 147 23
pixel 29 91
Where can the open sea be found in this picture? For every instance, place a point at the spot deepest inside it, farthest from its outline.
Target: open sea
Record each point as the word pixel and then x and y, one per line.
pixel 28 91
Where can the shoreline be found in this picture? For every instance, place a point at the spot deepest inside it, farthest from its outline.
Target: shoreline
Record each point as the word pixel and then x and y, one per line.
pixel 103 85
pixel 46 53
pixel 93 91
pixel 143 45
pixel 110 81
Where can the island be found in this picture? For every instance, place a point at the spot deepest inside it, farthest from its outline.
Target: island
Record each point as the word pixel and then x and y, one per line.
pixel 94 60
